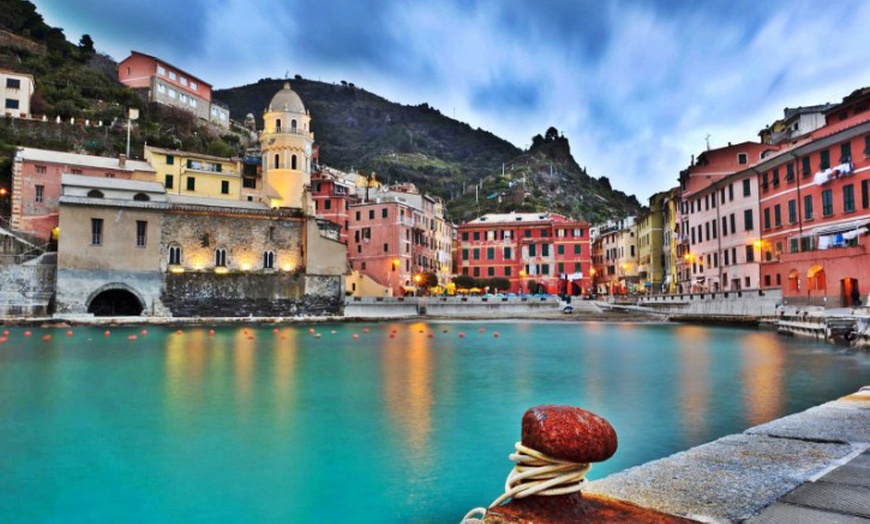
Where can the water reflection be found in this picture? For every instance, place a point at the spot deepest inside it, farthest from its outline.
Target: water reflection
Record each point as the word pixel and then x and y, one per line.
pixel 762 363
pixel 407 369
pixel 694 389
pixel 284 348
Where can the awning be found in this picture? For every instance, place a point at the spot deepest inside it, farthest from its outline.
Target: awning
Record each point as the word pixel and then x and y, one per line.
pixel 833 229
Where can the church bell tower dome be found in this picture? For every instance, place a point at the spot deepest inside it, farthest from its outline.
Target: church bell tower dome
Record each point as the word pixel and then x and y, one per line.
pixel 287 101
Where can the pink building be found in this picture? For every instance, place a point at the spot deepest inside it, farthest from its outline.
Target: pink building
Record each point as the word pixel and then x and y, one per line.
pixel 36 187
pixel 719 224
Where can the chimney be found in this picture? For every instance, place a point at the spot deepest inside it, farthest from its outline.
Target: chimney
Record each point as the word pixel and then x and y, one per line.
pixel 122 160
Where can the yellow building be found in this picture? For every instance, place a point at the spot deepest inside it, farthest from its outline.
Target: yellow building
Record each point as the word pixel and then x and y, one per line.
pixel 195 174
pixel 670 239
pixel 286 145
pixel 649 246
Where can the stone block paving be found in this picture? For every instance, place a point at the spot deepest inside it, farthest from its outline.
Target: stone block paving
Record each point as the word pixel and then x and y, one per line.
pixel 811 467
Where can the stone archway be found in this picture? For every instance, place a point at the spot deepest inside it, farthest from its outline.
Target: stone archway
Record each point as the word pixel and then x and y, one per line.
pixel 116 299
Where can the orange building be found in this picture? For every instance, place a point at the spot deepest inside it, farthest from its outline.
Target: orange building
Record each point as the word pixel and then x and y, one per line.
pixel 169 85
pixel 815 211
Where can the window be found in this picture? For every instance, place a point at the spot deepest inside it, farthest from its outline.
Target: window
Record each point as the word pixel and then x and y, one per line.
pixel 174 255
pixel 560 249
pixel 576 249
pixel 96 231
pixel 371 214
pixel 161 89
pixel 507 271
pixel 750 253
pixel 464 254
pixel 476 254
pixel 40 193
pixel 747 189
pixel 867 145
pixel 845 152
pixel 13 83
pixel 805 166
pixel 169 181
pixel 191 183
pixel 161 70
pixel 827 203
pixel 766 217
pixel 764 181
pixel 528 233
pixel 808 207
pixel 170 160
pixel 490 253
pixel 490 271
pixel 824 159
pixel 40 169
pixel 865 194
pixel 848 198
pixel 141 231
pixel 276 161
pixel 789 172
pixel 173 76
pixel 730 192
pixel 194 86
pixel 225 188
pixel 384 213
pixel 184 81
pixel 792 211
pixel 545 269
pixel 476 271
pixel 776 177
pixel 507 253
pixel 777 216
pixel 11 103
pixel 172 93
pixel 220 257
pixel 464 233
pixel 327 204
pixel 545 250
pixel 747 219
pixel 726 258
pixel 533 250
pixel 742 158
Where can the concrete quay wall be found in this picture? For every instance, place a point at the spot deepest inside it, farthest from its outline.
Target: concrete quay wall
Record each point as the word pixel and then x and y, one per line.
pixel 454 307
pixel 750 303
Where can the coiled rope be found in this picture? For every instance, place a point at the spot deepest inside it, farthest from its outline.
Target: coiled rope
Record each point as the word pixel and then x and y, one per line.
pixel 535 473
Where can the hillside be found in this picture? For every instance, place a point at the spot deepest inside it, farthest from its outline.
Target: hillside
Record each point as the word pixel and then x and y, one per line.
pixel 360 130
pixel 355 129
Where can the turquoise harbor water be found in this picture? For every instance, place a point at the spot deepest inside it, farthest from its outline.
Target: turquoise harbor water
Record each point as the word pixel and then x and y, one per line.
pixel 249 426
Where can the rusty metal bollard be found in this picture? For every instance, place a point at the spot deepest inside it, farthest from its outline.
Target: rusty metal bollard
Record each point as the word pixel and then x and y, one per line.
pixel 558 446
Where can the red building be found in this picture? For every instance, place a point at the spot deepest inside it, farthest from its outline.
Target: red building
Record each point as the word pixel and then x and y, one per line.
pixel 536 252
pixel 815 211
pixel 332 193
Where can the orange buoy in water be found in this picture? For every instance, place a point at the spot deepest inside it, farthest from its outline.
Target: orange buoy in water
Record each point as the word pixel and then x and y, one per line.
pixel 178 332
pixel 211 332
pixel 392 335
pixel 495 335
pixel 143 333
pixel 3 340
pixel 355 336
pixel 283 336
pixel 27 333
pixel 311 330
pixel 275 331
pixel 69 333
pixel 107 333
pixel 365 330
pixel 46 337
pixel 131 337
pixel 461 334
pixel 6 333
pixel 481 330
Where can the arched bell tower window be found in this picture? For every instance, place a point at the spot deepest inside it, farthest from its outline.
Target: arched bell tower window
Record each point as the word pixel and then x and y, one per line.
pixel 277 158
pixel 220 257
pixel 174 255
pixel 293 162
pixel 293 124
pixel 278 124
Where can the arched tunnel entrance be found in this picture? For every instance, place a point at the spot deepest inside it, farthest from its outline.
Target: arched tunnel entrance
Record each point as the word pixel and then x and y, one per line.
pixel 115 302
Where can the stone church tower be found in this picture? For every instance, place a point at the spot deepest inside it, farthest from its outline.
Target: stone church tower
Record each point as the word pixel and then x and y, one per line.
pixel 286 144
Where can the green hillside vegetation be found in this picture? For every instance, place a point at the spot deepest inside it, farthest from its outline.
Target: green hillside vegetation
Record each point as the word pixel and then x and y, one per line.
pixel 355 130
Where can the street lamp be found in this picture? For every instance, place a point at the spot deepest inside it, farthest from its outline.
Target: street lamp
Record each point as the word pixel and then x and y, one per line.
pixel 417 279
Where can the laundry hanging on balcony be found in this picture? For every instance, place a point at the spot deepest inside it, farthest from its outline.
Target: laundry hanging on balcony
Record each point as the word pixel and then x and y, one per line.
pixel 826 175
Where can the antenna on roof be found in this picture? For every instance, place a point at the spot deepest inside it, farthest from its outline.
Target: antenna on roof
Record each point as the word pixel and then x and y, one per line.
pixel 707 139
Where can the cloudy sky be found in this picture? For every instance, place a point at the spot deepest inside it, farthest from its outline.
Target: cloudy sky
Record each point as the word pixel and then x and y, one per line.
pixel 636 86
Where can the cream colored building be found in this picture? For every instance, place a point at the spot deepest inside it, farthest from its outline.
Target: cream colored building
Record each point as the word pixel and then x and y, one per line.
pixel 17 88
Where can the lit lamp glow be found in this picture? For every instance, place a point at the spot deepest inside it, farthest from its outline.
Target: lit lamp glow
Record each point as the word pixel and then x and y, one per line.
pixel 176 269
pixel 220 270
